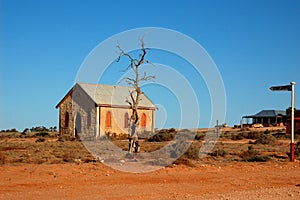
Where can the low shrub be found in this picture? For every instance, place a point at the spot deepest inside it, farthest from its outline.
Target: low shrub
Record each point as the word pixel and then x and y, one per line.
pixel 184 161
pixel 251 155
pixel 266 139
pixel 123 136
pixel 281 135
pixel 111 135
pixel 251 152
pixel 250 135
pixel 63 138
pixel 244 129
pixel 163 135
pixel 68 157
pixel 192 153
pixel 218 152
pixel 2 158
pixel 115 136
pixel 40 140
pixel 254 135
pixel 258 158
pixel 41 134
pixel 10 130
pixel 200 136
pixel 237 137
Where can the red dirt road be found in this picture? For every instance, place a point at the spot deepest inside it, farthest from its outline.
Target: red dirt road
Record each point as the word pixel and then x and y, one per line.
pixel 233 180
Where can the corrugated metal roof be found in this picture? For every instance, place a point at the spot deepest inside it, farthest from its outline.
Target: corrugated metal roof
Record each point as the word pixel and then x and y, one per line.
pixel 113 95
pixel 268 113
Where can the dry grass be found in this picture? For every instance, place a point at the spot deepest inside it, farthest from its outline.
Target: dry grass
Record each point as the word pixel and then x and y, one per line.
pixel 42 150
pixel 235 145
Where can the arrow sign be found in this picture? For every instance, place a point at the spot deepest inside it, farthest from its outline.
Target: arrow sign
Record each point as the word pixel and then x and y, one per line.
pixel 281 88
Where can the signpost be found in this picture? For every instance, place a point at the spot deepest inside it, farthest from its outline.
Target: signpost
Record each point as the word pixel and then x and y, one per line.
pixel 289 88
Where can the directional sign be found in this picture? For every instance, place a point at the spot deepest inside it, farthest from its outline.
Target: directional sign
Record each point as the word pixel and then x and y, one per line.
pixel 292 89
pixel 281 88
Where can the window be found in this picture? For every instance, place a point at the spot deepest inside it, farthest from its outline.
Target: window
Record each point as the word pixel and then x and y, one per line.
pixel 126 118
pixel 88 120
pixel 144 120
pixel 67 119
pixel 108 119
pixel 78 124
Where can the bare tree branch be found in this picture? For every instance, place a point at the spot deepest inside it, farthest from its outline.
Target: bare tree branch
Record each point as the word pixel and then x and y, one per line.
pixel 128 80
pixel 147 78
pixel 123 53
pixel 135 95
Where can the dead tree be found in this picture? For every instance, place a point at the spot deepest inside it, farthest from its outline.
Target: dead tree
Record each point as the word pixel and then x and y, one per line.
pixel 135 94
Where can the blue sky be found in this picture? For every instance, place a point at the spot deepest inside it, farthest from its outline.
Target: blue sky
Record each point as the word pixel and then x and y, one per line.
pixel 255 44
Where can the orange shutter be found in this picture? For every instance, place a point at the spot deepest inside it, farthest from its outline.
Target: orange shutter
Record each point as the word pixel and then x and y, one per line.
pixel 144 120
pixel 108 120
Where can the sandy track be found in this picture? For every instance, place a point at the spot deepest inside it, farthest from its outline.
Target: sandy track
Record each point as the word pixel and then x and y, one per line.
pixel 206 181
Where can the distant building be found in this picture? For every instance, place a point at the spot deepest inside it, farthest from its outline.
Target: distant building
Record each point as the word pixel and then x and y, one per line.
pixel 94 109
pixel 268 118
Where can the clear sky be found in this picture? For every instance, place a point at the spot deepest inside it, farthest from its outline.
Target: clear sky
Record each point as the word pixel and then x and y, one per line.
pixel 255 44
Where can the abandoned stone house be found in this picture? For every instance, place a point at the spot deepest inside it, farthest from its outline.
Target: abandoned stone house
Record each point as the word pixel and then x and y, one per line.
pixel 95 109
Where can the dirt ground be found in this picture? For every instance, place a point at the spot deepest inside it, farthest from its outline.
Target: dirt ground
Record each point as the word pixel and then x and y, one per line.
pixel 216 180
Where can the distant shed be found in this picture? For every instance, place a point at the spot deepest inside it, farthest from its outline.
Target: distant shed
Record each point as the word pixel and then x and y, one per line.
pixel 268 117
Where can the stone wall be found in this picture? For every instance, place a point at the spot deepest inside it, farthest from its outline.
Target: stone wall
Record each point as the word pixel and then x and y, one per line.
pixel 64 108
pixel 82 114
